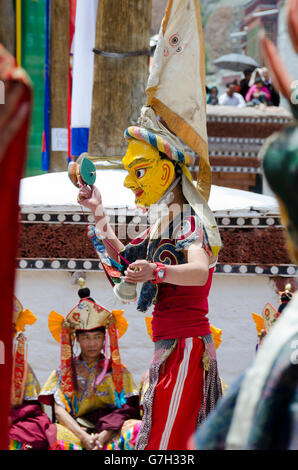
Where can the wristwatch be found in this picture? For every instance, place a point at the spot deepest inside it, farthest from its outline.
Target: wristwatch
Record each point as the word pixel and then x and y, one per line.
pixel 159 273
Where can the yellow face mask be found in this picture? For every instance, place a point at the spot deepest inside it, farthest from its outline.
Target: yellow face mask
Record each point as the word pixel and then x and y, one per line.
pixel 149 176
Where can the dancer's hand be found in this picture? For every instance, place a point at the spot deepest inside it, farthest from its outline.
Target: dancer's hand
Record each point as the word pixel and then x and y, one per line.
pixel 90 197
pixel 140 271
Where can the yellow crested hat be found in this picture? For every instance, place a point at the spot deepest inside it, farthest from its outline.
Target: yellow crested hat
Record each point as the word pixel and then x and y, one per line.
pixel 265 321
pixel 21 317
pixel 86 316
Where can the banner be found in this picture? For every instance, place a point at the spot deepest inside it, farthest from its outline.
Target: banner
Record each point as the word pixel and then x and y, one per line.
pixel 72 21
pixel 82 78
pixel 45 153
pixel 31 53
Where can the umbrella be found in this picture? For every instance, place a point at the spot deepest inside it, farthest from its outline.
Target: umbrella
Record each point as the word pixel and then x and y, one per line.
pixel 236 62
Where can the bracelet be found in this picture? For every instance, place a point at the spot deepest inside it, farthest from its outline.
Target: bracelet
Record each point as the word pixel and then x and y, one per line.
pixel 159 273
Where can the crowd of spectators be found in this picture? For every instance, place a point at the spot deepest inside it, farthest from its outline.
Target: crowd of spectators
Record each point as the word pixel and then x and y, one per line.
pixel 254 89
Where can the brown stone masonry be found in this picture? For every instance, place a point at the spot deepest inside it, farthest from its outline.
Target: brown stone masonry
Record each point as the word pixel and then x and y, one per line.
pixel 70 241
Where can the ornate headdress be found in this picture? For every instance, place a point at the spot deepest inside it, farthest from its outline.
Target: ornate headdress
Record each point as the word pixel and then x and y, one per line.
pixel 178 70
pixel 269 315
pixel 21 318
pixel 265 321
pixel 88 316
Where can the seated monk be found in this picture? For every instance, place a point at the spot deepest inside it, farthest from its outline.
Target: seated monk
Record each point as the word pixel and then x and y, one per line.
pixel 30 427
pixel 92 395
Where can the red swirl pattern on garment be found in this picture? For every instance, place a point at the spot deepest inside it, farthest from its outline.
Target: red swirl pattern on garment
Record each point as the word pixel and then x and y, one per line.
pixel 186 230
pixel 165 252
pixel 139 240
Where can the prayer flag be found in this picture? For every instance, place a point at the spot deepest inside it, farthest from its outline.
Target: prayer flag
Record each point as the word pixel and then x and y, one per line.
pixel 82 85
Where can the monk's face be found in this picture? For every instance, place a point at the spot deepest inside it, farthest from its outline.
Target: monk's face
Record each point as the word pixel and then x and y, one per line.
pixel 149 176
pixel 91 344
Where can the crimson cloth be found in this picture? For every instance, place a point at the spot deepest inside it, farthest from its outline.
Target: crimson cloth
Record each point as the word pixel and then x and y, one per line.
pixel 31 426
pixel 11 170
pixel 180 311
pixel 178 397
pixel 112 419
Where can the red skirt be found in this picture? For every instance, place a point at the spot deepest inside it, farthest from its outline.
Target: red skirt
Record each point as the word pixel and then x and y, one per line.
pixel 178 397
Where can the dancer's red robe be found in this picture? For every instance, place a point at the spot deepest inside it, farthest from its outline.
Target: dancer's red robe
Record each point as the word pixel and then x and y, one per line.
pixel 11 170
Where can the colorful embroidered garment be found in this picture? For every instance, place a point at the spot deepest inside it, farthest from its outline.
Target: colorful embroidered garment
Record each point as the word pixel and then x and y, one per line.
pixel 183 376
pixel 166 248
pixel 90 396
pixel 94 401
pixel 127 437
pixel 19 370
pixel 32 386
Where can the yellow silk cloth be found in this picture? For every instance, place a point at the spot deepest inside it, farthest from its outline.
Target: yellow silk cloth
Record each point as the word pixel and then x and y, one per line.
pixel 32 386
pixel 65 435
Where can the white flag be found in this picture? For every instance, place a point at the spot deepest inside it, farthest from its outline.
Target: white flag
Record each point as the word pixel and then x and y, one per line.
pixel 82 85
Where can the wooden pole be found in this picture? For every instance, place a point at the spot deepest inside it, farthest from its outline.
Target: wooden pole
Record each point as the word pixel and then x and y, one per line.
pixel 19 32
pixel 119 82
pixel 8 25
pixel 59 60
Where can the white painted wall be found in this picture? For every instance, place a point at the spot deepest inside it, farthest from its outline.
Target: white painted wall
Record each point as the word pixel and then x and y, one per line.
pixel 232 300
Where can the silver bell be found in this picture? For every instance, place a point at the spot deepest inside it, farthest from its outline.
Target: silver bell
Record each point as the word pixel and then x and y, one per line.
pixel 126 291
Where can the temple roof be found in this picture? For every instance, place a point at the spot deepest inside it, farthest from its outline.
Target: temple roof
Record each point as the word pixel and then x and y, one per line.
pixel 54 191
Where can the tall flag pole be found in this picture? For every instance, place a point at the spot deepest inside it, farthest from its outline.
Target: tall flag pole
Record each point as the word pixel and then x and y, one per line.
pixel 82 84
pixel 19 32
pixel 72 20
pixel 45 165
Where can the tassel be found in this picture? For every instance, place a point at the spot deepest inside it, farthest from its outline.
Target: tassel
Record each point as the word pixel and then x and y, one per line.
pixel 106 363
pixel 73 369
pixel 120 399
